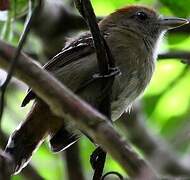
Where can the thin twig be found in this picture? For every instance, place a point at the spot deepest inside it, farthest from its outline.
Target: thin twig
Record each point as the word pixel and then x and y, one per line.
pixel 86 10
pixel 183 56
pixel 14 60
pixel 104 62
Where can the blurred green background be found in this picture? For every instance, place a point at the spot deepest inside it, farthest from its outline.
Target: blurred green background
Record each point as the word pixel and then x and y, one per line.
pixel 166 101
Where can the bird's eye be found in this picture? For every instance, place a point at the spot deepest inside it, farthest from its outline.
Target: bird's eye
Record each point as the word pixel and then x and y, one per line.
pixel 141 15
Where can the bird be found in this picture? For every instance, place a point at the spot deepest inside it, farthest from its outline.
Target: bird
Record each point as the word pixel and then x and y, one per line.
pixel 133 35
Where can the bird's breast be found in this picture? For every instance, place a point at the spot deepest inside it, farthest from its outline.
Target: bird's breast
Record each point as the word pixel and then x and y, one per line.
pixel 129 86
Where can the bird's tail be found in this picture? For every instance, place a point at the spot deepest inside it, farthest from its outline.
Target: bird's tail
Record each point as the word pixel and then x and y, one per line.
pixel 25 140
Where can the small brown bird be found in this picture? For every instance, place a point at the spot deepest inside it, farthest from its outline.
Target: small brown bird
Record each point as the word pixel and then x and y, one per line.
pixel 133 34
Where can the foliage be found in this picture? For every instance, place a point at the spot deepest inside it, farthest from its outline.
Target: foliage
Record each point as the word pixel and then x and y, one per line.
pixel 166 101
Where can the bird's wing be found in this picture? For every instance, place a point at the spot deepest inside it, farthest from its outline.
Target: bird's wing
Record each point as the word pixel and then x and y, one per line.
pixel 63 138
pixel 72 52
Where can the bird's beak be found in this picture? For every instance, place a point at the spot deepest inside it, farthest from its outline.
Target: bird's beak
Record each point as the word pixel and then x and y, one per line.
pixel 171 23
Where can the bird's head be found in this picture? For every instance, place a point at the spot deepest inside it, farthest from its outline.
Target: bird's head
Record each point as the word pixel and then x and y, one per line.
pixel 141 20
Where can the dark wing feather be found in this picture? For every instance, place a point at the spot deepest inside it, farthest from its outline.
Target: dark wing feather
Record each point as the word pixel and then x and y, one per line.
pixel 72 52
pixel 62 139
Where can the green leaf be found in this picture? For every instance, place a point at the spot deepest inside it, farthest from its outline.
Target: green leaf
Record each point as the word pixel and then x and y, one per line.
pixel 178 7
pixel 106 7
pixel 19 7
pixel 166 72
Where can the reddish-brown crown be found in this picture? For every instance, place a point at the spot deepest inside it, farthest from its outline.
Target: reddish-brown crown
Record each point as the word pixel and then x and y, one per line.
pixel 134 8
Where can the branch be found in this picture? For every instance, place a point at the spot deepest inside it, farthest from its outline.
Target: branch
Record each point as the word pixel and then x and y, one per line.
pixel 63 103
pixel 87 12
pixel 105 62
pixel 184 56
pixel 21 43
pixel 156 150
pixel 73 162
